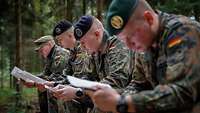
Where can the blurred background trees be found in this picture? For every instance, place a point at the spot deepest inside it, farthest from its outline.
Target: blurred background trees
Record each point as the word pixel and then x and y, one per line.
pixel 189 8
pixel 22 21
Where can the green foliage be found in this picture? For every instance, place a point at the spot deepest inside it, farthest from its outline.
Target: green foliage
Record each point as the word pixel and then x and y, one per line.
pixel 8 96
pixel 184 7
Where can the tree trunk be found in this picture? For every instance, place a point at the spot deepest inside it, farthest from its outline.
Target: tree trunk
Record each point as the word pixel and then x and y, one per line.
pixel 84 7
pixel 197 13
pixel 99 9
pixel 92 6
pixel 2 65
pixel 65 9
pixel 18 34
pixel 18 60
pixel 69 10
pixel 10 68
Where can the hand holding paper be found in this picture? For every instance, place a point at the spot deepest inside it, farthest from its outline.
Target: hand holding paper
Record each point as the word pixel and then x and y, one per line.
pixel 33 80
pixel 20 74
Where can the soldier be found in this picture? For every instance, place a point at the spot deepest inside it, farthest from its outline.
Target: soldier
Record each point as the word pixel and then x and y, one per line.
pixel 173 41
pixel 55 56
pixel 55 60
pixel 79 59
pixel 106 52
pixel 110 57
pixel 78 64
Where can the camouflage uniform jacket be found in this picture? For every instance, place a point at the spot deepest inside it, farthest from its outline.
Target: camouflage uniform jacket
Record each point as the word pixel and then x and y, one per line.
pixel 174 70
pixel 140 78
pixel 112 63
pixel 78 64
pixel 55 63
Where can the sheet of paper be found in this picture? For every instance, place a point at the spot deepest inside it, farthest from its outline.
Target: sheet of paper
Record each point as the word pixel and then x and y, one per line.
pixel 24 75
pixel 80 83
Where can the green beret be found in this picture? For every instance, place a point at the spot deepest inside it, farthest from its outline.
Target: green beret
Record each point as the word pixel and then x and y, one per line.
pixel 40 41
pixel 118 14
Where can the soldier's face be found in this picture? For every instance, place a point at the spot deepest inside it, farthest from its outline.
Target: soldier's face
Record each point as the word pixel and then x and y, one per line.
pixel 44 50
pixel 66 40
pixel 90 41
pixel 137 37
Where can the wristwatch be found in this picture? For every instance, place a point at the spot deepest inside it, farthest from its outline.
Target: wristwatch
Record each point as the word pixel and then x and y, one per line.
pixel 79 92
pixel 122 106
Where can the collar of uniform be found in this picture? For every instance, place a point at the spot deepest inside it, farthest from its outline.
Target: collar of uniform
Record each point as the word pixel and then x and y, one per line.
pixel 50 55
pixel 72 50
pixel 104 43
pixel 161 30
pixel 77 47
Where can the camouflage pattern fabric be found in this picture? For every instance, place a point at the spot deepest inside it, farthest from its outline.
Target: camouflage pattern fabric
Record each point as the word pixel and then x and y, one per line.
pixel 55 63
pixel 78 66
pixel 112 65
pixel 43 102
pixel 53 70
pixel 173 71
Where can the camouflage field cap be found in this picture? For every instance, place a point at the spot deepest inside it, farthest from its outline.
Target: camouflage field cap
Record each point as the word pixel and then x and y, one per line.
pixel 42 40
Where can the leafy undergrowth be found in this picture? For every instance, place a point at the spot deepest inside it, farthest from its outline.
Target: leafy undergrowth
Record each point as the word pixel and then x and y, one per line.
pixel 27 101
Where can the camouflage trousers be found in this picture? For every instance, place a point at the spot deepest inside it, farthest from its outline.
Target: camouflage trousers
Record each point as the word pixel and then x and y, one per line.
pixel 42 96
pixel 55 105
pixel 96 110
pixel 76 107
pixel 49 104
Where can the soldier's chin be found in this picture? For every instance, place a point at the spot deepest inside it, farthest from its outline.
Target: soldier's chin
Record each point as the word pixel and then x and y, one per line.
pixel 89 51
pixel 139 49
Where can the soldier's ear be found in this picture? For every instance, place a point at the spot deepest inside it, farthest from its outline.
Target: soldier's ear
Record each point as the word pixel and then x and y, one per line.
pixel 70 35
pixel 50 43
pixel 148 16
pixel 97 33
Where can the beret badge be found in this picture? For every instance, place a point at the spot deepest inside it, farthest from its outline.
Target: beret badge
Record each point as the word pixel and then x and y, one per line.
pixel 117 22
pixel 58 30
pixel 78 32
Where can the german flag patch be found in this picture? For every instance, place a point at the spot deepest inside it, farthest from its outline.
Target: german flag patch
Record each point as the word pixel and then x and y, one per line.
pixel 174 41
